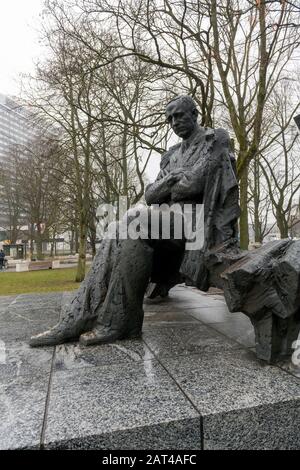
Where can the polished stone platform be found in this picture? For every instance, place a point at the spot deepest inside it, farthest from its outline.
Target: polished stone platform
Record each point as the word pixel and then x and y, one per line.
pixel 191 382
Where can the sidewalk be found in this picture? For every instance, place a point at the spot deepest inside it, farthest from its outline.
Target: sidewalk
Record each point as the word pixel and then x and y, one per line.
pixel 191 382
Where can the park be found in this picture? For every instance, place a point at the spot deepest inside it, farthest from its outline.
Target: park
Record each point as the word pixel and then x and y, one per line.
pixel 149 231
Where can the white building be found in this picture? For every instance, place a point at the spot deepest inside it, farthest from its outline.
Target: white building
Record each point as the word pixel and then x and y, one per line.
pixel 15 129
pixel 15 126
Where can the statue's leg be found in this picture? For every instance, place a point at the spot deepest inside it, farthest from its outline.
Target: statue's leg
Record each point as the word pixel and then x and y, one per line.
pixel 109 303
pixel 110 299
pixel 168 256
pixel 81 313
pixel 121 314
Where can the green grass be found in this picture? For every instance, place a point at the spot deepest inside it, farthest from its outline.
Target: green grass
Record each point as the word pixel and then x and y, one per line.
pixel 47 280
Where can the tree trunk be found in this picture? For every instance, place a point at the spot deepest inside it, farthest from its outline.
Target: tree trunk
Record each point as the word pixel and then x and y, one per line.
pixel 31 247
pixel 39 248
pixel 72 242
pixel 14 234
pixel 256 201
pixel 257 228
pixel 282 225
pixel 39 243
pixel 244 228
pixel 76 235
pixel 82 250
pixel 52 245
pixel 93 239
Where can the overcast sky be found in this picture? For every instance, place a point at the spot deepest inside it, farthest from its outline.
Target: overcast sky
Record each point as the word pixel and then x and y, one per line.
pixel 19 45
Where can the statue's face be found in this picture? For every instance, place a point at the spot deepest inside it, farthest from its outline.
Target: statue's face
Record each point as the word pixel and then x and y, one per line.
pixel 181 118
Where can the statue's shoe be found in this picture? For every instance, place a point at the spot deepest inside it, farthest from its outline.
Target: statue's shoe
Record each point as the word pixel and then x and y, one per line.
pixel 98 336
pixel 52 337
pixel 103 335
pixel 157 291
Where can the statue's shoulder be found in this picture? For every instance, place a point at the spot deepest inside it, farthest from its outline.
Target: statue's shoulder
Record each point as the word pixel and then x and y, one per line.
pixel 222 136
pixel 209 132
pixel 165 159
pixel 219 134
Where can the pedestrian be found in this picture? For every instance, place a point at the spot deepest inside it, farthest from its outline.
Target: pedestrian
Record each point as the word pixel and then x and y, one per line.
pixel 2 259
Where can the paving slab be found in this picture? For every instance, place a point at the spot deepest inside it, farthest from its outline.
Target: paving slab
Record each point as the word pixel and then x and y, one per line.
pixel 179 300
pixel 192 381
pixel 18 326
pixel 169 318
pixel 22 408
pixel 17 360
pixel 74 356
pixel 244 403
pixel 218 314
pixel 99 401
pixel 184 339
pixel 238 329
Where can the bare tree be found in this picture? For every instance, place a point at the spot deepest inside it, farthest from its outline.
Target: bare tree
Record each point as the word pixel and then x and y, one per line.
pixel 105 119
pixel 259 202
pixel 171 36
pixel 252 53
pixel 228 52
pixel 10 191
pixel 39 188
pixel 281 169
pixel 114 65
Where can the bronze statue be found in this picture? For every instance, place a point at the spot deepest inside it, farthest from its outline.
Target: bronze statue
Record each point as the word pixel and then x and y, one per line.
pixel 264 284
pixel 200 170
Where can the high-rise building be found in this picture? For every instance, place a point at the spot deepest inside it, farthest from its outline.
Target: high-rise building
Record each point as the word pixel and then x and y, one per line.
pixel 19 133
pixel 15 126
pixel 16 129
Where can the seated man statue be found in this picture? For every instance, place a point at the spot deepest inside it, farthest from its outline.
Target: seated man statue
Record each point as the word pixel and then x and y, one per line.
pixel 199 170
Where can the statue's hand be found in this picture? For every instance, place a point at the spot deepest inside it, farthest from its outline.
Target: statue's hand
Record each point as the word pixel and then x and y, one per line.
pixel 174 176
pixel 172 179
pixel 178 172
pixel 181 189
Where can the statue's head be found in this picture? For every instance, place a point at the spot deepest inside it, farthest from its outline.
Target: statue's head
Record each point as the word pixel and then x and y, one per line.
pixel 181 114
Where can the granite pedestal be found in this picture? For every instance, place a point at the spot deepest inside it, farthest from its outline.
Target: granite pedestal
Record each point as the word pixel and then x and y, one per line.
pixel 191 382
